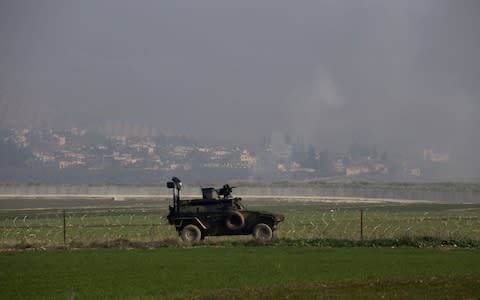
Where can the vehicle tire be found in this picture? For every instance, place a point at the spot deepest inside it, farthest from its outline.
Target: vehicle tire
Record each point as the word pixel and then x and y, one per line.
pixel 191 234
pixel 235 221
pixel 262 232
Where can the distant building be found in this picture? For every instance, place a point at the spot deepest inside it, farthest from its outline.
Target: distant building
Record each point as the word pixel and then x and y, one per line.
pixel 65 164
pixel 247 160
pixel 416 172
pixel 182 151
pixel 281 168
pixel 296 167
pixel 61 141
pixel 357 170
pixel 120 139
pixel 175 166
pixel 151 150
pixel 381 168
pixel 78 132
pixel 218 154
pixel 429 155
pixel 44 157
pixel 339 165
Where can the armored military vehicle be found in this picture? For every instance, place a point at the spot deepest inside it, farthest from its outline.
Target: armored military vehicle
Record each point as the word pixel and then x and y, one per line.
pixel 217 213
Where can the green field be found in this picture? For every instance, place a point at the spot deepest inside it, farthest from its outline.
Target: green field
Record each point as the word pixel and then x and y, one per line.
pixel 304 220
pixel 413 252
pixel 241 273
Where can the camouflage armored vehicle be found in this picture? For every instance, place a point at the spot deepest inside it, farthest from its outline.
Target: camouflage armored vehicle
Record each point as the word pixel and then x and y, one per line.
pixel 217 213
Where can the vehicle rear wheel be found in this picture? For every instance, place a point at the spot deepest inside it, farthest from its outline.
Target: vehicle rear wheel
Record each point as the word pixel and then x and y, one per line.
pixel 262 232
pixel 191 234
pixel 235 221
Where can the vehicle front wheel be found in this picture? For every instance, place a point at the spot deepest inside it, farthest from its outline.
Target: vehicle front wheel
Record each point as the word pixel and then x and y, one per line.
pixel 262 232
pixel 191 234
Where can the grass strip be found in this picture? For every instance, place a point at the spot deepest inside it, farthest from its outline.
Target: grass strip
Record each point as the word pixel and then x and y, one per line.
pixel 413 242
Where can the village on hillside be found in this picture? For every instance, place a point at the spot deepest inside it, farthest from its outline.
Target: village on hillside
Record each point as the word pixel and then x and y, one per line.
pixel 275 158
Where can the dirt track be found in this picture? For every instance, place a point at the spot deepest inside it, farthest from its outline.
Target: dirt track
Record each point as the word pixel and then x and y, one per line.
pixel 75 200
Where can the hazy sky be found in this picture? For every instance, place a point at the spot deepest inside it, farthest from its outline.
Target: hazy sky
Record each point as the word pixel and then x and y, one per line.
pixel 397 73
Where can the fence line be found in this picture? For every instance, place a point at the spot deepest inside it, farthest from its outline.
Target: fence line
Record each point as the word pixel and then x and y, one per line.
pixel 143 224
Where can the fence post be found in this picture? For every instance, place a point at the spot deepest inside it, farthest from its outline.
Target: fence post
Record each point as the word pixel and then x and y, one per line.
pixel 361 224
pixel 64 229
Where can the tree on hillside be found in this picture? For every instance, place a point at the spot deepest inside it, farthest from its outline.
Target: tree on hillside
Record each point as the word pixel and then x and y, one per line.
pixel 12 156
pixel 359 151
pixel 324 165
pixel 311 159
